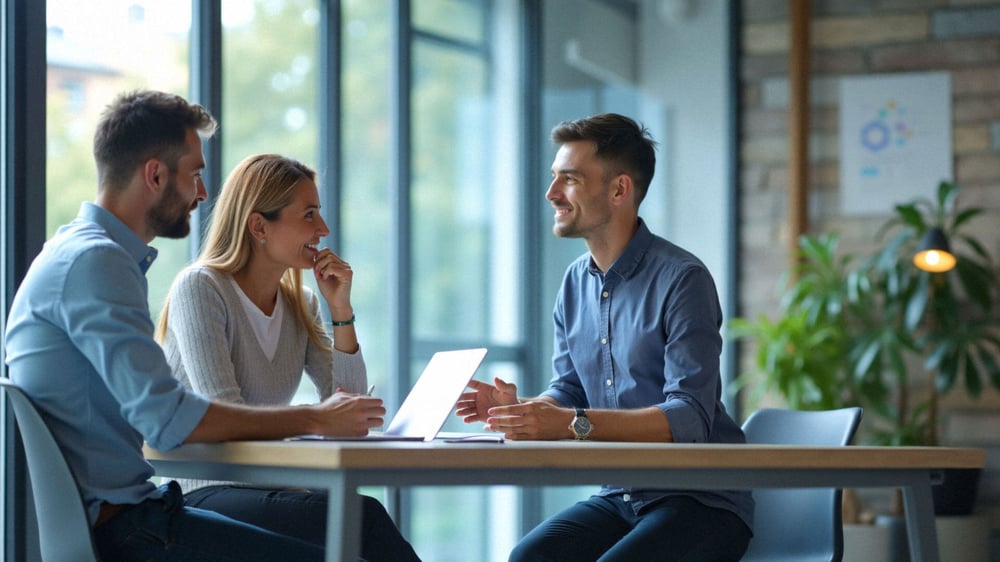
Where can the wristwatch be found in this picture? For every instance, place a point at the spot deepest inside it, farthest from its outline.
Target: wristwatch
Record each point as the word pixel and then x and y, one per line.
pixel 581 425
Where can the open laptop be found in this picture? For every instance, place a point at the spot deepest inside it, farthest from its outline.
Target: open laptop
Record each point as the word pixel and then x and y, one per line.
pixel 430 401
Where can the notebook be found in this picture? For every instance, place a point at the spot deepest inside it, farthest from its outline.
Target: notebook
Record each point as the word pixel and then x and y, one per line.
pixel 430 401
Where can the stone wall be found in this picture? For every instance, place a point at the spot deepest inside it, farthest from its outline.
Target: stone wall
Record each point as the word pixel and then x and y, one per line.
pixel 856 37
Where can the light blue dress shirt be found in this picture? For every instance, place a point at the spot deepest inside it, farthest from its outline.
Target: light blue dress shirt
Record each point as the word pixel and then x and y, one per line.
pixel 80 342
pixel 646 333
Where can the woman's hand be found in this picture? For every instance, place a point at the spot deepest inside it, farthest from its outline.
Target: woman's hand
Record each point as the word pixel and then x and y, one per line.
pixel 334 277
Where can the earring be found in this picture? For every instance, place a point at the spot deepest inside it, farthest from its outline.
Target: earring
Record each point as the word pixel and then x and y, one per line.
pixel 263 241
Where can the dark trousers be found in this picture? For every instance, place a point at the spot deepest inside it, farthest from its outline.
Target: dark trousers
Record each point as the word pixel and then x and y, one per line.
pixel 302 514
pixel 164 529
pixel 606 529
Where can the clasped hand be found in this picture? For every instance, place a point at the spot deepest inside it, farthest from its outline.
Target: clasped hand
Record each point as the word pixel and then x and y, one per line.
pixel 498 407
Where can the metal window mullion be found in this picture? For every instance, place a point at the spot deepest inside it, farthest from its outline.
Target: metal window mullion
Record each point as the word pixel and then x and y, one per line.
pixel 531 249
pixel 734 222
pixel 23 86
pixel 468 47
pixel 330 99
pixel 400 268
pixel 206 89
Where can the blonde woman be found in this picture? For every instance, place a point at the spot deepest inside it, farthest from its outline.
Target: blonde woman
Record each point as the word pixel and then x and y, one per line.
pixel 239 326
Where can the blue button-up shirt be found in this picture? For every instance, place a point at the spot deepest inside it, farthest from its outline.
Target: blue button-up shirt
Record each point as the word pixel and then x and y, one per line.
pixel 646 333
pixel 80 342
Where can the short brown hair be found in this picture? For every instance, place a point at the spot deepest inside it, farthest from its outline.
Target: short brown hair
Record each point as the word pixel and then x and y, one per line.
pixel 622 144
pixel 144 124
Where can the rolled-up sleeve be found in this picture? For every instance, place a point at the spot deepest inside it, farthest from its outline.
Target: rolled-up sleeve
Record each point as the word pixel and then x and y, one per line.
pixel 107 319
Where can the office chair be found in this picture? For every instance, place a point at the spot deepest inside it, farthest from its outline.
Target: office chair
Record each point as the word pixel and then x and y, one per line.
pixel 63 528
pixel 802 524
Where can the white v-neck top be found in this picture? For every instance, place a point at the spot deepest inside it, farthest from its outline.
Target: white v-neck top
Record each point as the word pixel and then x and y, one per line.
pixel 267 328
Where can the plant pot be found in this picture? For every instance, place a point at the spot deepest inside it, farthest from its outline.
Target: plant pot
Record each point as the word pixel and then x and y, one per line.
pixel 866 543
pixel 956 495
pixel 961 538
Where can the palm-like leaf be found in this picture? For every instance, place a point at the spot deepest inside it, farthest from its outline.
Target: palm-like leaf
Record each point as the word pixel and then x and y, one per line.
pixel 849 329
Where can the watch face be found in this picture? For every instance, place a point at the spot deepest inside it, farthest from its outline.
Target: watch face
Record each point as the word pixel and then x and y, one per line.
pixel 581 425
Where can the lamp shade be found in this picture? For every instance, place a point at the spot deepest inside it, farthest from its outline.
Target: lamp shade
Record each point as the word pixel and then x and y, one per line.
pixel 934 253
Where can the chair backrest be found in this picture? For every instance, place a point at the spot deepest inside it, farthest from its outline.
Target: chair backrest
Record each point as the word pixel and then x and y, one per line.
pixel 63 528
pixel 802 524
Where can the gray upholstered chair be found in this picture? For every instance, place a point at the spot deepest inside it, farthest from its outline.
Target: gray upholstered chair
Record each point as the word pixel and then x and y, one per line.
pixel 63 528
pixel 802 524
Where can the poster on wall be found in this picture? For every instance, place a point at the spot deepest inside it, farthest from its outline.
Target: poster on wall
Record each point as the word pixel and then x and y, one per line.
pixel 895 139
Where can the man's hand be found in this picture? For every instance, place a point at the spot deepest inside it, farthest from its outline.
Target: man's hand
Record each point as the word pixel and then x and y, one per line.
pixel 348 414
pixel 343 414
pixel 536 419
pixel 473 406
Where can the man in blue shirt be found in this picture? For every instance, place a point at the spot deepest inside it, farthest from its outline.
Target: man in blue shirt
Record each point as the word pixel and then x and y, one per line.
pixel 636 358
pixel 80 342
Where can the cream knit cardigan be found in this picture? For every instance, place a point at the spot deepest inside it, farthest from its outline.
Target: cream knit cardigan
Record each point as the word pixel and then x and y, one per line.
pixel 214 351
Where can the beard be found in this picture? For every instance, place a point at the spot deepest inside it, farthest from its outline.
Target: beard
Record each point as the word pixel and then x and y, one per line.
pixel 169 219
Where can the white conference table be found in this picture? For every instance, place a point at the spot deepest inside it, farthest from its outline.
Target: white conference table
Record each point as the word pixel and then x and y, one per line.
pixel 343 466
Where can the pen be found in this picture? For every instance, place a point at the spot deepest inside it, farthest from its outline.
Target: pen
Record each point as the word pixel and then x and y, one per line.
pixel 370 390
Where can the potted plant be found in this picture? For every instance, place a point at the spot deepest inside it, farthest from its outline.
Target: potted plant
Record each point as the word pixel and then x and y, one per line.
pixel 804 357
pixel 803 354
pixel 853 328
pixel 947 320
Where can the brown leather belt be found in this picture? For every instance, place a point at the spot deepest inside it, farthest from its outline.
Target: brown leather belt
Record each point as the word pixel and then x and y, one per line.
pixel 109 510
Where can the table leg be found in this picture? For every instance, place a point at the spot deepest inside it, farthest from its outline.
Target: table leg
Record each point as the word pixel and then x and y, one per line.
pixel 343 522
pixel 921 530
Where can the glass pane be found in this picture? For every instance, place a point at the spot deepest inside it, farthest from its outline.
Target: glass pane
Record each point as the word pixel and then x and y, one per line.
pixel 270 68
pixel 87 68
pixel 465 236
pixel 455 19
pixel 451 194
pixel 367 211
pixel 447 516
pixel 270 51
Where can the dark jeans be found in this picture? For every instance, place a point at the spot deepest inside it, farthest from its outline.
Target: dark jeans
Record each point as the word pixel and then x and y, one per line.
pixel 164 529
pixel 677 529
pixel 302 514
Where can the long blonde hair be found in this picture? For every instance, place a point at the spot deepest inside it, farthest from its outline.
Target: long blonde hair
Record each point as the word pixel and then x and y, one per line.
pixel 265 184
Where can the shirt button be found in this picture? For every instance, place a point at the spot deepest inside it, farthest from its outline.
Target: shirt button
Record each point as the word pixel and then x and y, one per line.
pixel 604 341
pixel 627 497
pixel 608 382
pixel 604 294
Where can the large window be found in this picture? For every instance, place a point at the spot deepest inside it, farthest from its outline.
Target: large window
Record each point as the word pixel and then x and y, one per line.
pixel 270 69
pixel 464 270
pixel 446 276
pixel 87 67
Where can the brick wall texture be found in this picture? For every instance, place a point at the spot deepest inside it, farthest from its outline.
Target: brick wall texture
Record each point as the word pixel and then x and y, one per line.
pixel 873 37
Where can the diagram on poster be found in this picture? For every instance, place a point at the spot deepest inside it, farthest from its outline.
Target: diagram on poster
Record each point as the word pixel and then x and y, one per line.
pixel 895 139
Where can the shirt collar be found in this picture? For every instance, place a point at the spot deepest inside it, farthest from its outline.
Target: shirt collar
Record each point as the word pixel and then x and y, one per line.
pixel 628 262
pixel 143 254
